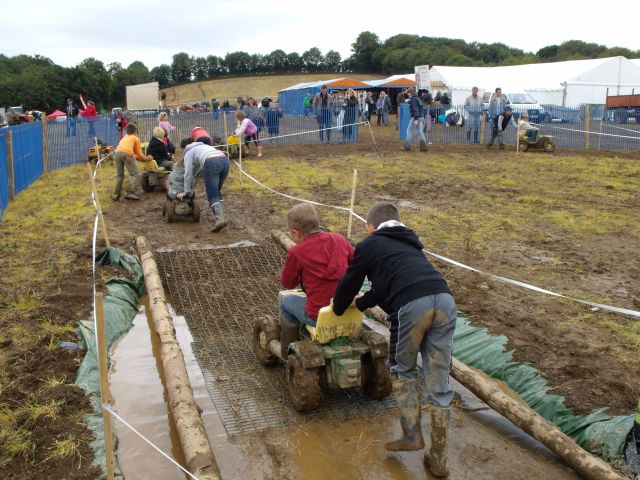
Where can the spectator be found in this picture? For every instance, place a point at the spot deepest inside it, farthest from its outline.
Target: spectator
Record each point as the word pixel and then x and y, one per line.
pixel 497 104
pixel 253 113
pixel 386 108
pixel 308 104
pixel 400 99
pixel 90 113
pixel 72 111
pixel 445 100
pixel 273 119
pixel 215 106
pixel 379 102
pixel 350 115
pixel 370 105
pixel 473 110
pixel 323 109
pixel 416 112
pixel 225 105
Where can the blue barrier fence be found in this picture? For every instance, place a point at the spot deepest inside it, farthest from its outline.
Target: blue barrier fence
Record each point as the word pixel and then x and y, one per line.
pixel 4 173
pixel 28 163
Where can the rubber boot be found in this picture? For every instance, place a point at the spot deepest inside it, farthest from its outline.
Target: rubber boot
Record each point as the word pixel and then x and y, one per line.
pixel 407 396
pixel 436 460
pixel 288 334
pixel 219 221
pixel 260 151
pixel 423 146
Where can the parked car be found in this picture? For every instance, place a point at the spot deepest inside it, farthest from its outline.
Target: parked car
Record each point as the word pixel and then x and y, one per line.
pixel 521 102
pixel 560 114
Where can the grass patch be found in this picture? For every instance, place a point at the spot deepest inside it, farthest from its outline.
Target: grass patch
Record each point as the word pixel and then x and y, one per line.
pixel 66 448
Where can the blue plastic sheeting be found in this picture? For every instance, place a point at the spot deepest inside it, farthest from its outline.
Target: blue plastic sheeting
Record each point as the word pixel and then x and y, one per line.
pixel 68 143
pixel 598 432
pixel 27 154
pixel 292 101
pixel 404 121
pixel 4 174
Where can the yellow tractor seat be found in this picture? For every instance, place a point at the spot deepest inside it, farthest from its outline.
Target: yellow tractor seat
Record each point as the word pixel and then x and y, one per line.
pixel 330 326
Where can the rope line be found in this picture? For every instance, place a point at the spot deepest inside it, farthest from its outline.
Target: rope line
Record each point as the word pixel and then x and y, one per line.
pixel 518 283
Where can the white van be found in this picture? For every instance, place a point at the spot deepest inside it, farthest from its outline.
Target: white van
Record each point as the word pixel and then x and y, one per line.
pixel 521 102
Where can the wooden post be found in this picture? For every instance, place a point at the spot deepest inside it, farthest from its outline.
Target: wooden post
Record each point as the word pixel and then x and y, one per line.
pixel 601 120
pixel 194 441
pixel 45 151
pixel 97 199
pixel 105 395
pixel 353 199
pixel 12 183
pixel 587 126
pixel 483 126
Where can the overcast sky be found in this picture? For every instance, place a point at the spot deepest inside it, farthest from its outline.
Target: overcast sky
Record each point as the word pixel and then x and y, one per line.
pixel 123 31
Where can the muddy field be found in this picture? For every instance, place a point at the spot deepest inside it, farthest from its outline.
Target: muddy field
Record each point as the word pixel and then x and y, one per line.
pixel 567 222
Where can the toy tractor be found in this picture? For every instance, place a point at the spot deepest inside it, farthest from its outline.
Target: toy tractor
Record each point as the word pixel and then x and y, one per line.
pixel 334 354
pixel 155 180
pixel 175 210
pixel 100 150
pixel 233 142
pixel 542 142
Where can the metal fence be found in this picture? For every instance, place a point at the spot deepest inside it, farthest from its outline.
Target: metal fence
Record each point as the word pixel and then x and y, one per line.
pixel 590 127
pixel 4 173
pixel 28 164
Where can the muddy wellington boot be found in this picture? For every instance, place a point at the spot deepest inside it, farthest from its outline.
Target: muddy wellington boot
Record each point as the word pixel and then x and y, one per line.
pixel 407 396
pixel 436 460
pixel 288 335
pixel 423 146
pixel 219 221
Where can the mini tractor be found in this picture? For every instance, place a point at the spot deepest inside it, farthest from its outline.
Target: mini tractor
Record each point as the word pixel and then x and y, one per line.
pixel 175 210
pixel 335 354
pixel 542 142
pixel 101 151
pixel 155 180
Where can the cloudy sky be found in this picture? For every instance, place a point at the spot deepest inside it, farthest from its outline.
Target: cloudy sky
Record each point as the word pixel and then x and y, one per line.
pixel 123 31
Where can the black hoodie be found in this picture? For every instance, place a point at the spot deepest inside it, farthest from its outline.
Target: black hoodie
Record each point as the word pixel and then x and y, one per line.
pixel 399 272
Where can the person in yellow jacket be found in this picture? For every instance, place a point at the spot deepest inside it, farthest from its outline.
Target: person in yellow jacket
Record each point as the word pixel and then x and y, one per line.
pixel 128 151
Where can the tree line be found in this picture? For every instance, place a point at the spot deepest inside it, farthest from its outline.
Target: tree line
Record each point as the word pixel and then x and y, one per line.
pixel 38 83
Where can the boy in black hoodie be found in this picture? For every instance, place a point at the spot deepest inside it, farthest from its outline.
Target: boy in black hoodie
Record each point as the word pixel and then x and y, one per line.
pixel 422 316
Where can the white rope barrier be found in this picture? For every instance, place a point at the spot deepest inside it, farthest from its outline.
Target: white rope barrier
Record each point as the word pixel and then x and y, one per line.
pixel 518 283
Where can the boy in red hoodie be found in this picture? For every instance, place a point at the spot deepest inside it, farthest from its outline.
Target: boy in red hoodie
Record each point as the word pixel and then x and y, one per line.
pixel 316 263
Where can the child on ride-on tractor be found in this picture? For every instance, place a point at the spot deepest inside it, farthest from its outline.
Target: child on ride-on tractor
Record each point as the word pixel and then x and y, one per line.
pixel 317 263
pixel 525 129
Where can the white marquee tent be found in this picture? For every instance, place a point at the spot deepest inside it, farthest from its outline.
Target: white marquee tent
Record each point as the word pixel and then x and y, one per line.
pixel 568 83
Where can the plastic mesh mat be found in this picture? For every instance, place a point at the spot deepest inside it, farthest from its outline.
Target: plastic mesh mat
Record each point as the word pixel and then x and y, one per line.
pixel 221 292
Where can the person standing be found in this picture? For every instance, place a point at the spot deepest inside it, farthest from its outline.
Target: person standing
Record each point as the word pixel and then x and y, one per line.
pixel 370 105
pixel 416 121
pixel 72 111
pixel 400 99
pixel 473 108
pixel 497 104
pixel 323 110
pixel 350 114
pixel 386 108
pixel 90 113
pixel 422 317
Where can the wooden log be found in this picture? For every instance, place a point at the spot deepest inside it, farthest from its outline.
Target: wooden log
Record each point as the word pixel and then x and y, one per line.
pixel 193 438
pixel 521 415
pixel 282 239
pixel 483 126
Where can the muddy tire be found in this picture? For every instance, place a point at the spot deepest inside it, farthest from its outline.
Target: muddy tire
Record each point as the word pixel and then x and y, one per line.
pixel 377 381
pixel 303 385
pixel 170 213
pixel 264 330
pixel 146 186
pixel 549 147
pixel 196 213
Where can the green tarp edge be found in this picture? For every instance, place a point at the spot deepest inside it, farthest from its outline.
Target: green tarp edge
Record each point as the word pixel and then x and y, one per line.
pixel 598 432
pixel 120 308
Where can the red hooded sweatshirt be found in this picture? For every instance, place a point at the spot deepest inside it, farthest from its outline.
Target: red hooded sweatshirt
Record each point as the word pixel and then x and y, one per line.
pixel 318 263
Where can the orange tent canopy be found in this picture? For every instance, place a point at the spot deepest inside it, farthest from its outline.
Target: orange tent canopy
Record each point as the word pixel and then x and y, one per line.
pixel 346 82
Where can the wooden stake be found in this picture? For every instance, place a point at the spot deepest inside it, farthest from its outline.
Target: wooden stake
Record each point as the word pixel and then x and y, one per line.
pixel 587 126
pixel 12 184
pixel 105 396
pixel 353 199
pixel 195 444
pixel 483 126
pixel 45 151
pixel 240 142
pixel 103 226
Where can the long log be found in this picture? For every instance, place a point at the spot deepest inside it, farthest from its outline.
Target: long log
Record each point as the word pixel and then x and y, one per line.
pixel 193 438
pixel 521 415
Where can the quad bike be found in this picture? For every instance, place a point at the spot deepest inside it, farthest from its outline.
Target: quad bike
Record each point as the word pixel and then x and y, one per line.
pixel 334 354
pixel 155 180
pixel 542 142
pixel 175 210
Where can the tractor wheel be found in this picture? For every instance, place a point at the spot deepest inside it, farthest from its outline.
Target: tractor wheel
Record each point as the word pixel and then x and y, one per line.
pixel 170 212
pixel 196 212
pixel 164 183
pixel 265 330
pixel 549 147
pixel 303 385
pixel 146 186
pixel 377 381
pixel 164 209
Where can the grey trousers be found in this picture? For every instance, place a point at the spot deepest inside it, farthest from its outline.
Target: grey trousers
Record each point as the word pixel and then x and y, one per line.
pixel 122 160
pixel 425 325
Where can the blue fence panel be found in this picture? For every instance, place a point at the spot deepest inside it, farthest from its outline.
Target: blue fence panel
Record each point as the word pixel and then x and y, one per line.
pixel 4 173
pixel 68 141
pixel 28 164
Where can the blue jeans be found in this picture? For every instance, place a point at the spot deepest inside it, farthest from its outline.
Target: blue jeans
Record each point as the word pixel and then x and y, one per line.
pixel 215 171
pixel 324 123
pixel 412 124
pixel 425 325
pixel 92 131
pixel 71 126
pixel 292 309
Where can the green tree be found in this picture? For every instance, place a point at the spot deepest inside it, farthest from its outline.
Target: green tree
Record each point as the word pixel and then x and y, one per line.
pixel 312 60
pixel 181 68
pixel 238 62
pixel 215 66
pixel 332 61
pixel 548 54
pixel 363 50
pixel 279 61
pixel 200 68
pixel 294 63
pixel 162 75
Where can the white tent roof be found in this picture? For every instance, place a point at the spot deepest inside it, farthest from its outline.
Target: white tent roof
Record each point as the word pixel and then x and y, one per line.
pixel 317 83
pixel 541 76
pixel 410 77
